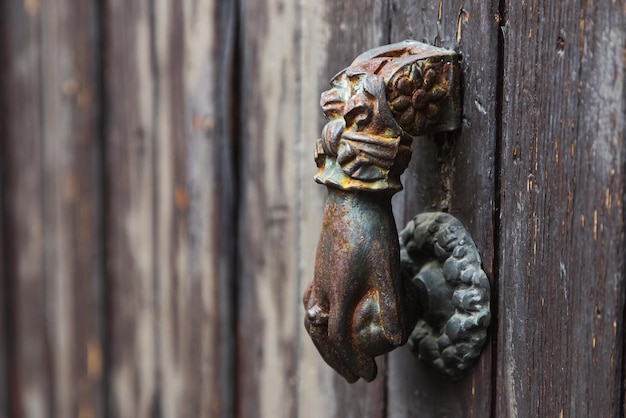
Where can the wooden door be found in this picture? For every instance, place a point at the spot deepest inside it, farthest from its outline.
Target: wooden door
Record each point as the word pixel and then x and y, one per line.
pixel 159 219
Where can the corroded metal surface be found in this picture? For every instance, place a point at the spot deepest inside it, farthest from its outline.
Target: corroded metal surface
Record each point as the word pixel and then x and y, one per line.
pixel 375 107
pixel 438 255
pixel 358 306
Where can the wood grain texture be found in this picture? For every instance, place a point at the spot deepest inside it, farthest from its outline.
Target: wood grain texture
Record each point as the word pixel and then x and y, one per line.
pixel 4 289
pixel 51 187
pixel 130 224
pixel 71 200
pixel 167 209
pixel 561 302
pixel 5 292
pixel 30 391
pixel 30 388
pixel 316 393
pixel 453 173
pixel 194 208
pixel 268 221
pixel 333 34
pixel 220 102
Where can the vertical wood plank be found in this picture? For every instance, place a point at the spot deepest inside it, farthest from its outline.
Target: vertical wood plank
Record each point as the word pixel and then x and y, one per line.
pixel 4 288
pixel 5 291
pixel 561 305
pixel 333 34
pixel 50 170
pixel 453 173
pixel 180 296
pixel 130 224
pixel 316 379
pixel 219 104
pixel 194 207
pixel 5 296
pixel 267 269
pixel 71 197
pixel 30 392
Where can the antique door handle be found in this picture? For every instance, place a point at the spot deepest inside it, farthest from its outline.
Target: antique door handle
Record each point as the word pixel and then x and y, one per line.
pixel 371 289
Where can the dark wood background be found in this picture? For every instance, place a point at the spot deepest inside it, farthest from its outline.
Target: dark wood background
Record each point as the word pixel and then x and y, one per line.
pixel 158 217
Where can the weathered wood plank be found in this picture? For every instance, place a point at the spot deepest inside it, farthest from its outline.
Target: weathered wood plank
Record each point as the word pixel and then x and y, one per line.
pixel 218 104
pixel 194 207
pixel 50 170
pixel 30 391
pixel 4 288
pixel 453 173
pixel 5 292
pixel 561 302
pixel 129 217
pixel 71 196
pixel 267 269
pixel 5 296
pixel 333 34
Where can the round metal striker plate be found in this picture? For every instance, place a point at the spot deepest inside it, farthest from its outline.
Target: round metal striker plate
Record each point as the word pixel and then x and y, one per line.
pixel 439 256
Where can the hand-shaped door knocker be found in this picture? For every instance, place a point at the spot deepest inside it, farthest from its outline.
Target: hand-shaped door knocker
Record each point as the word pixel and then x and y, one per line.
pixel 370 289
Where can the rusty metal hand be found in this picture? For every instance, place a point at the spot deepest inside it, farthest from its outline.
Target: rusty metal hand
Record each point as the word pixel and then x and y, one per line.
pixel 356 307
pixel 359 304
